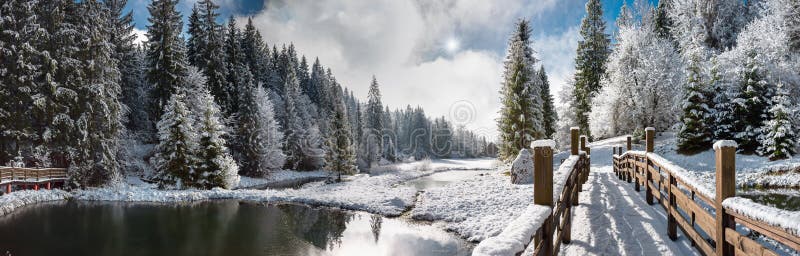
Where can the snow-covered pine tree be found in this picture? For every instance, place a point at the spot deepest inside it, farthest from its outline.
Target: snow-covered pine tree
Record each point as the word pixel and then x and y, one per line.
pixel 751 109
pixel 792 20
pixel 239 76
pixel 520 119
pixel 122 37
pixel 548 109
pixel 372 142
pixel 214 167
pixel 695 134
pixel 294 133
pixel 166 53
pixel 590 62
pixel 94 161
pixel 208 50
pixel 255 52
pixel 196 43
pixel 341 155
pixel 722 116
pixel 663 21
pixel 175 158
pixel 778 139
pixel 260 139
pixel 18 73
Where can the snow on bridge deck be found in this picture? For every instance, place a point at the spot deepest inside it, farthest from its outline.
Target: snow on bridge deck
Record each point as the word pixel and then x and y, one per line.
pixel 612 219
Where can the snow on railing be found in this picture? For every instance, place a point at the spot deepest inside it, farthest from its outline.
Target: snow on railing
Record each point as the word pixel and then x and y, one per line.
pixel 566 181
pixel 787 220
pixel 517 234
pixel 688 177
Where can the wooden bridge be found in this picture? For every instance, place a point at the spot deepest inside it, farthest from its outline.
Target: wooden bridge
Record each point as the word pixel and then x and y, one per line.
pixel 713 220
pixel 31 178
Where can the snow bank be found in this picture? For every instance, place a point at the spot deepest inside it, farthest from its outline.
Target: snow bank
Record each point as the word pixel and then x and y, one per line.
pixel 17 199
pixel 725 144
pixel 279 176
pixel 516 235
pixel 688 177
pixel 788 220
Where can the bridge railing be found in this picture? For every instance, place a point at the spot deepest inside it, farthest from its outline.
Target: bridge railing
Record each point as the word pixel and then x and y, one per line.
pixel 707 216
pixel 559 193
pixel 16 174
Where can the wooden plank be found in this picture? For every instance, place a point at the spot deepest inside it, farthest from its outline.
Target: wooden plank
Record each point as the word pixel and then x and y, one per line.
pixel 767 230
pixel 702 218
pixel 745 245
pixel 692 234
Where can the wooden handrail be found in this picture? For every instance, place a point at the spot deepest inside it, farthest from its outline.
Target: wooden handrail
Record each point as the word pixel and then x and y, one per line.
pixel 23 174
pixel 685 211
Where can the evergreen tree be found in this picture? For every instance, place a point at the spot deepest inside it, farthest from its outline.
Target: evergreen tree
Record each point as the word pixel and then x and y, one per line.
pixel 723 118
pixel 215 167
pixel 521 114
pixel 792 20
pixel 122 38
pixel 695 134
pixel 253 47
pixel 239 76
pixel 548 109
pixel 174 158
pixel 663 22
pixel 373 125
pixel 779 139
pixel 166 53
pixel 341 156
pixel 94 162
pixel 18 73
pixel 293 128
pixel 590 62
pixel 207 51
pixel 261 151
pixel 751 109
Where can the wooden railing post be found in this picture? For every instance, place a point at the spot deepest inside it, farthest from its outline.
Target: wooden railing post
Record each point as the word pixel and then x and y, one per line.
pixel 574 134
pixel 543 191
pixel 672 223
pixel 725 154
pixel 650 134
pixel 628 167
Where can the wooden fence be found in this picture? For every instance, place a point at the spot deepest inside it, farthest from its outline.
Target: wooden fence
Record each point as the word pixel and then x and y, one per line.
pixel 34 177
pixel 701 216
pixel 556 229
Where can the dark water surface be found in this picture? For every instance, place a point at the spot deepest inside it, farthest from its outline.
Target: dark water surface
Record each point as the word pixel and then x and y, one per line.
pixel 787 199
pixel 214 228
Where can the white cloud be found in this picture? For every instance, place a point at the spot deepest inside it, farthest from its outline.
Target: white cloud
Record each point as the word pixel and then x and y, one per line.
pixel 403 43
pixel 557 53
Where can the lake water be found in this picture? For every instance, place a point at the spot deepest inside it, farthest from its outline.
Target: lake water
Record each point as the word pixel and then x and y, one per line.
pixel 787 199
pixel 442 178
pixel 215 228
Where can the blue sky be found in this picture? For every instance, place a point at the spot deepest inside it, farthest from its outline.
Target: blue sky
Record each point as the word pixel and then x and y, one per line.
pixel 444 55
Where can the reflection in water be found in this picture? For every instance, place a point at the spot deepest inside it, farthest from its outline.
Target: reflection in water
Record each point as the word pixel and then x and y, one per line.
pixel 214 228
pixel 787 199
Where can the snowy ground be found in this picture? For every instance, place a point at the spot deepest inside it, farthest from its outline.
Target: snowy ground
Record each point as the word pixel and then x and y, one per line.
pixel 376 193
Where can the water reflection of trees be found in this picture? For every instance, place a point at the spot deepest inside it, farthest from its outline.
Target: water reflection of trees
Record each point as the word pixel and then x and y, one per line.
pixel 375 224
pixel 322 228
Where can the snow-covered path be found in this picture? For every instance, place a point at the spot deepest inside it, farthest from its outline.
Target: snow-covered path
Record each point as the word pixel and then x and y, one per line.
pixel 613 219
